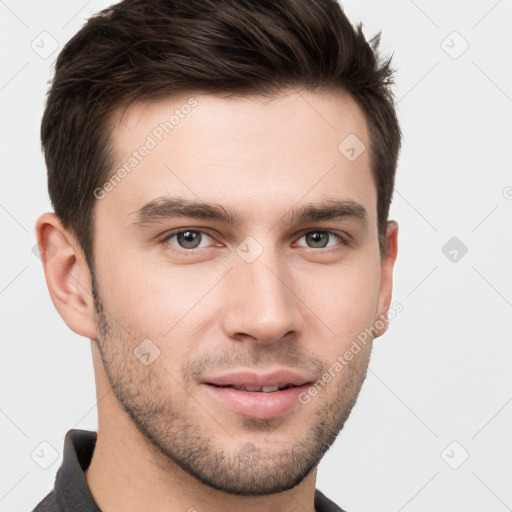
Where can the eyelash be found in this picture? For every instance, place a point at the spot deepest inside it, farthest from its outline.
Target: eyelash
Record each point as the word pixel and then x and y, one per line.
pixel 165 241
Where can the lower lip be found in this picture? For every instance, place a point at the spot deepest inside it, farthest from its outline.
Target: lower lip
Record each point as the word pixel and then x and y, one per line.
pixel 257 404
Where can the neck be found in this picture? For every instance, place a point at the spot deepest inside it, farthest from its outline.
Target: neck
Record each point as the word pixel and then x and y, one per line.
pixel 124 475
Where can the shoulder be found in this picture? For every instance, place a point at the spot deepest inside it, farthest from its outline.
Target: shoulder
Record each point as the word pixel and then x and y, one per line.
pixel 48 504
pixel 324 504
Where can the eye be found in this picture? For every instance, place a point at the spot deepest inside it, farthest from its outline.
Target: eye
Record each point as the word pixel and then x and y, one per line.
pixel 320 239
pixel 187 239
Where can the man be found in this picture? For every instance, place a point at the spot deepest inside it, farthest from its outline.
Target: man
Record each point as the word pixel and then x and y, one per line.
pixel 221 173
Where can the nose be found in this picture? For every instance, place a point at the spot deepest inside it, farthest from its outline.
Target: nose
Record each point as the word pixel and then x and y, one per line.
pixel 261 301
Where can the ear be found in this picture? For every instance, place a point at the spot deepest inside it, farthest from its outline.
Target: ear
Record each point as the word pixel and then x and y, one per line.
pixel 386 277
pixel 67 275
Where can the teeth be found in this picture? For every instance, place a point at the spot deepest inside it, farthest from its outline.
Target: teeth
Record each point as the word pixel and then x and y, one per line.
pixel 265 389
pixel 251 388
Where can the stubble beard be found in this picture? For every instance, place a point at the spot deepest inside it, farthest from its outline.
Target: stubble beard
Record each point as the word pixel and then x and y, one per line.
pixel 169 428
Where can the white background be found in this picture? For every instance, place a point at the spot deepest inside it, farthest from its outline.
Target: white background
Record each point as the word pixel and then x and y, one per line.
pixel 441 374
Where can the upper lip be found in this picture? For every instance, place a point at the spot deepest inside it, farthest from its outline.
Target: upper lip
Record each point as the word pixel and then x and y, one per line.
pixel 248 378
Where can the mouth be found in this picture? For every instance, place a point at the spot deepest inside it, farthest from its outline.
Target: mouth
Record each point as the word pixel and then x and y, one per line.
pixel 258 396
pixel 257 389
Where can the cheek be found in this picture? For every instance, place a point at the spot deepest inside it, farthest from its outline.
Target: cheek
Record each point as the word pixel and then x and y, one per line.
pixel 345 301
pixel 155 298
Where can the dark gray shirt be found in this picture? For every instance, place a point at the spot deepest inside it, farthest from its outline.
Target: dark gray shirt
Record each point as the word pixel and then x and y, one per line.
pixel 71 492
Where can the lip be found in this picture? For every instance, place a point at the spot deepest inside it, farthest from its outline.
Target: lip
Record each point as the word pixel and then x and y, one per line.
pixel 257 404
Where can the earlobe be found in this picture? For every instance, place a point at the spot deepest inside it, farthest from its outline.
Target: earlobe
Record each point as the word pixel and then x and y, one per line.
pixel 67 275
pixel 386 281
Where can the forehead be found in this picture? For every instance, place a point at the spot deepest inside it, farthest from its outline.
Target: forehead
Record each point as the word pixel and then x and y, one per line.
pixel 252 152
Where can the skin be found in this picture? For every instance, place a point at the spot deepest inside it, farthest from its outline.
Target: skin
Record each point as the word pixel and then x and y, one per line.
pixel 163 442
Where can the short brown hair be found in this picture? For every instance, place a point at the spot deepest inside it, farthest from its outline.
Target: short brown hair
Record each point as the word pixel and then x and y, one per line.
pixel 142 49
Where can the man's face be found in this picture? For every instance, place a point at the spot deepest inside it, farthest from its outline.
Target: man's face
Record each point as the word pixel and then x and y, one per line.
pixel 190 307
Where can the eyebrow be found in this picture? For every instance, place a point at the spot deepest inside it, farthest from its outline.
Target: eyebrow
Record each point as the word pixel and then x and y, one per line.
pixel 170 207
